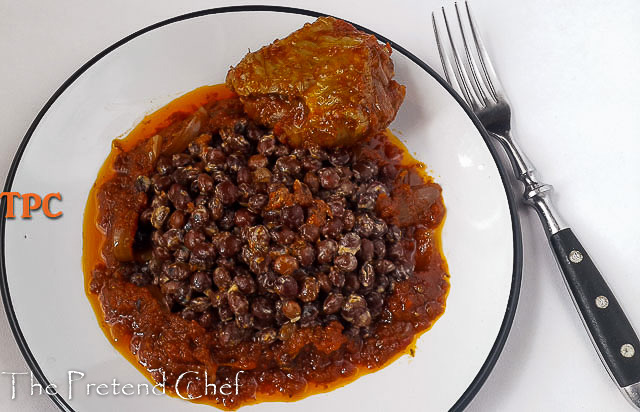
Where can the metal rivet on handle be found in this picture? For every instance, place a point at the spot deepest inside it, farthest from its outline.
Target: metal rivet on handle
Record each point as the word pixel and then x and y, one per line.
pixel 627 350
pixel 602 302
pixel 575 256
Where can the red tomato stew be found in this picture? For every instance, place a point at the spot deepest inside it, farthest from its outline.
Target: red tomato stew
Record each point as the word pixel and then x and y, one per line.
pixel 212 247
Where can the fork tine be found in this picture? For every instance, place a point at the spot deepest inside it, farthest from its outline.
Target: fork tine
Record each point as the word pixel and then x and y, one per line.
pixel 478 81
pixel 449 74
pixel 460 70
pixel 485 62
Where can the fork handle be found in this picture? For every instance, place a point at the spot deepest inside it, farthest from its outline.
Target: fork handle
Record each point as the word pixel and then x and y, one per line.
pixel 610 330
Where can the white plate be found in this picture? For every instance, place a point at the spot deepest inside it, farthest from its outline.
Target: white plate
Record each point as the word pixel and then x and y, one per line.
pixel 42 279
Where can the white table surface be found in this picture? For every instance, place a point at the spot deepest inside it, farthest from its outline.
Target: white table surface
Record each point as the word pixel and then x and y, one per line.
pixel 571 71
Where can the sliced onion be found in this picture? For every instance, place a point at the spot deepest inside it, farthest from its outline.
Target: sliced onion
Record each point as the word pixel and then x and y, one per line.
pixel 411 204
pixel 426 195
pixel 156 145
pixel 179 140
pixel 124 231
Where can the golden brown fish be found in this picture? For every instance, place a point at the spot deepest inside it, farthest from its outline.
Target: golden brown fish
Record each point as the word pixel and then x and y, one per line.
pixel 326 83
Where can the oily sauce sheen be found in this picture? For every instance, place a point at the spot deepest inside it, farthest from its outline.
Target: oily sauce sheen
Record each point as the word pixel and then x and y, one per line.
pixel 162 344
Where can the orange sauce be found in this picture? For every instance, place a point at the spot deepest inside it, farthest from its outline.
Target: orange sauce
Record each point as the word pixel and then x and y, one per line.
pixel 94 237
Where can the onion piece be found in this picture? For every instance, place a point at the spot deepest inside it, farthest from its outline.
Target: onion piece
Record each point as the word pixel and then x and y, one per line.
pixel 409 205
pixel 178 140
pixel 124 232
pixel 426 195
pixel 156 145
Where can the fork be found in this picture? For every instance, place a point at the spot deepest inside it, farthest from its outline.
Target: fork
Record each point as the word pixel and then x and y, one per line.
pixel 475 80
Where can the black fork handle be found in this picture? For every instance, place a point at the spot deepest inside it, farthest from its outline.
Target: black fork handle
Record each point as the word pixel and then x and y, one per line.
pixel 610 330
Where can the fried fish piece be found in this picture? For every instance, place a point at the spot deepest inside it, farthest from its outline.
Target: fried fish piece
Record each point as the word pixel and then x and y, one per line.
pixel 326 83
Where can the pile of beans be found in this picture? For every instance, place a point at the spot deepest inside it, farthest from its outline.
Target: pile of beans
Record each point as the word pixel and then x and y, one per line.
pixel 254 239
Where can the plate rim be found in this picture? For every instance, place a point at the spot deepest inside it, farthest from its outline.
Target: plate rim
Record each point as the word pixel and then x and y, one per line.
pixel 516 277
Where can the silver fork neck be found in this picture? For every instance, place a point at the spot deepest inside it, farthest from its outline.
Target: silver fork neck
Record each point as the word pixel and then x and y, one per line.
pixel 536 194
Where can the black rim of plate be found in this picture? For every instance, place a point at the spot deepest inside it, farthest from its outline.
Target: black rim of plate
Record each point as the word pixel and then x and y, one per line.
pixel 507 321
